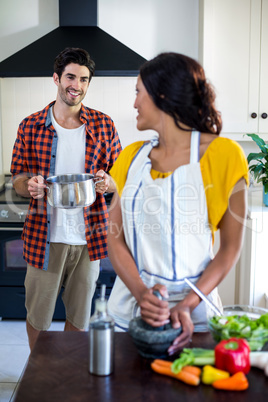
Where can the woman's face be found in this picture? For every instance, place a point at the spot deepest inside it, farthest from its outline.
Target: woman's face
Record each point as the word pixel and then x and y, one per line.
pixel 148 113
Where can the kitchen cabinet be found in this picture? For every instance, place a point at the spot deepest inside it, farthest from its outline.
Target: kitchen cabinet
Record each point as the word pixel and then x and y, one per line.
pixel 234 53
pixel 252 268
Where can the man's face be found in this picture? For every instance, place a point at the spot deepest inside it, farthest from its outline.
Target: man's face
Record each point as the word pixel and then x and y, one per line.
pixel 73 84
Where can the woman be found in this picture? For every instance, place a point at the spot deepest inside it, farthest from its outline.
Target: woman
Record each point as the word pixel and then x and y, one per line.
pixel 175 192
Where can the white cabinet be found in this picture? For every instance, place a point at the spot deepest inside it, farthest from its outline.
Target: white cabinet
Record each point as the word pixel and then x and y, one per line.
pixel 234 54
pixel 252 268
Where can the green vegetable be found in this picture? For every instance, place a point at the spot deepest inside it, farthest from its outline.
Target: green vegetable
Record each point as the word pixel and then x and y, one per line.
pixel 193 357
pixel 235 326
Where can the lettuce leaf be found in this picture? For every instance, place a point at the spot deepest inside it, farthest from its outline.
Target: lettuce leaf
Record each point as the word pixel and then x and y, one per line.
pixel 241 326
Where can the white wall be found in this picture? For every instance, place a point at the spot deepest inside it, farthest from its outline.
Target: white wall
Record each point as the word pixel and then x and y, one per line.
pixel 24 21
pixel 152 26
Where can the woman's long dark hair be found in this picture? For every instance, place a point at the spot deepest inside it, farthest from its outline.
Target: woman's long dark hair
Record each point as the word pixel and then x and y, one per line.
pixel 178 86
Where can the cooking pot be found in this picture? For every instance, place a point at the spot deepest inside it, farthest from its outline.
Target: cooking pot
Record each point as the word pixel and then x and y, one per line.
pixel 71 190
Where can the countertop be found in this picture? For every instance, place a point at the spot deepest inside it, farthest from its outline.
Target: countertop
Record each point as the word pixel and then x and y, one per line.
pixel 57 370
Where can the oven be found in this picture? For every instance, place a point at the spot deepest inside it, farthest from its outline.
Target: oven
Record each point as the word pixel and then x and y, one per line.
pixel 13 210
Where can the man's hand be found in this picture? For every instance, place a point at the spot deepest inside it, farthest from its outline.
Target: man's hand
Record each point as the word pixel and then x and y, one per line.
pixel 36 187
pixel 107 185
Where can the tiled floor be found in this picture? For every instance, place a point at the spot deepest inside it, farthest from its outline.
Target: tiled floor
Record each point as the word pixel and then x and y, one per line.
pixel 14 353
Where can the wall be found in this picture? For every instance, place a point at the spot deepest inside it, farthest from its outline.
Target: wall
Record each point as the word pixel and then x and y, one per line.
pixel 152 26
pixel 23 21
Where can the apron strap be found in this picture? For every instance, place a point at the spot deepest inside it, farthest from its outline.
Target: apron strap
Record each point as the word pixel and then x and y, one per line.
pixel 195 141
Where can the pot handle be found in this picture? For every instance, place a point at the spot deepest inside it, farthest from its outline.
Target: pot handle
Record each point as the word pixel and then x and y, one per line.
pixel 97 179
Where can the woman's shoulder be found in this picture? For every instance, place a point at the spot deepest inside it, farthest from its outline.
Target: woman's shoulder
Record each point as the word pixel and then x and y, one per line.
pixel 133 147
pixel 224 148
pixel 129 152
pixel 223 165
pixel 121 165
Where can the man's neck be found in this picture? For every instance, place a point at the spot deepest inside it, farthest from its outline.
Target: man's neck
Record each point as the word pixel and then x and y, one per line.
pixel 67 116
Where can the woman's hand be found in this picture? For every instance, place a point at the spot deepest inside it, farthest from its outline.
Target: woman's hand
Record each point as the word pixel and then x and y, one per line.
pixel 153 310
pixel 180 317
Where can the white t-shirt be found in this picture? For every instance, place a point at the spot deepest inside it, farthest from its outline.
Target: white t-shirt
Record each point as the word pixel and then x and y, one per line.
pixel 68 225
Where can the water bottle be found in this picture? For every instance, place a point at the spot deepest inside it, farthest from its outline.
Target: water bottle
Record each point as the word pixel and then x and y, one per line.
pixel 101 338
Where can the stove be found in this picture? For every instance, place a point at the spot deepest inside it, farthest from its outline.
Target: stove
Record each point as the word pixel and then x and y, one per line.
pixel 13 208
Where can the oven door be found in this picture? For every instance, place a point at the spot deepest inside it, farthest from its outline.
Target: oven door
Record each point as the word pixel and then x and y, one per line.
pixel 12 264
pixel 12 275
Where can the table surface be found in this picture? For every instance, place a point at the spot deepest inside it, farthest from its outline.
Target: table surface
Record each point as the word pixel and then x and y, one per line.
pixel 58 371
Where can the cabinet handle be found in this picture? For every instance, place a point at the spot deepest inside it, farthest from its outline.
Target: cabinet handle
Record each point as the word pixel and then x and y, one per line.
pixel 253 115
pixel 264 115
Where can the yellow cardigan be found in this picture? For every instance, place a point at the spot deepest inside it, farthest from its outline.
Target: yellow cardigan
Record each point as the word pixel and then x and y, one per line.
pixel 222 165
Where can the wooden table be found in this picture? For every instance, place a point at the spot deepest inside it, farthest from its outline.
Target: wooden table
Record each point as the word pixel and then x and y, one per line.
pixel 58 371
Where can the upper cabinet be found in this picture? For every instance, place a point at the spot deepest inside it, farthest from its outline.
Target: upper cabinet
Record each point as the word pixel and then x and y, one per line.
pixel 234 54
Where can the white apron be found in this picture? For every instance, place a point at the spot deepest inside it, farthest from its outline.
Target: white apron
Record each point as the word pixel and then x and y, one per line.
pixel 166 228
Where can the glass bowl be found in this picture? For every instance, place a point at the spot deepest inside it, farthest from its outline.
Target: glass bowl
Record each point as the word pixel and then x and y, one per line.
pixel 241 321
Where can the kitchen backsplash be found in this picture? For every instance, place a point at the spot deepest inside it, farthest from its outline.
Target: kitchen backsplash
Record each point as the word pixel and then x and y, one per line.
pixel 111 95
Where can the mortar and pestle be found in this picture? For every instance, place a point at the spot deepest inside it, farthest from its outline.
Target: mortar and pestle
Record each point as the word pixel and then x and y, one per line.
pixel 152 342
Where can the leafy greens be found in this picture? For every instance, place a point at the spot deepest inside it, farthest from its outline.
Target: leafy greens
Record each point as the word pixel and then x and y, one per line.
pixel 241 326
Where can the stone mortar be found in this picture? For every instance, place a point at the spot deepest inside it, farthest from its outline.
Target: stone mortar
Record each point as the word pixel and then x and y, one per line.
pixel 151 342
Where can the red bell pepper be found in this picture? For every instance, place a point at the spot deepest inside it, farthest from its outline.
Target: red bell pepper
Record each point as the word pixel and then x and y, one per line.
pixel 233 355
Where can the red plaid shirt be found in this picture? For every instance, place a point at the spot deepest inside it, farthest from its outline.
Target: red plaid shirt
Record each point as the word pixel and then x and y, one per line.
pixel 32 155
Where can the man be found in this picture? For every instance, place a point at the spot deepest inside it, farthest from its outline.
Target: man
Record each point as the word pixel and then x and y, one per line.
pixel 61 246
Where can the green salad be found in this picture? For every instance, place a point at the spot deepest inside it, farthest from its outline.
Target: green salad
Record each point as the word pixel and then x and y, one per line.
pixel 241 326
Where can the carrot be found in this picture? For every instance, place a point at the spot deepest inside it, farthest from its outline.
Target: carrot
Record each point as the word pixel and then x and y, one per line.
pixel 190 369
pixel 160 362
pixel 237 382
pixel 193 370
pixel 184 376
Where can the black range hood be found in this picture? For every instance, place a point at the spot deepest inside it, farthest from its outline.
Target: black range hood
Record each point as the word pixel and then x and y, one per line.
pixel 78 28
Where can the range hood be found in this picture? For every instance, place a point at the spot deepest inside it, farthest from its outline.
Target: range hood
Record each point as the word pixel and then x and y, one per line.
pixel 78 28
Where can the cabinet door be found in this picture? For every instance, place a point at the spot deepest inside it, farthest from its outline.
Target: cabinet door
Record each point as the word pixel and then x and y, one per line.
pixel 230 54
pixel 263 108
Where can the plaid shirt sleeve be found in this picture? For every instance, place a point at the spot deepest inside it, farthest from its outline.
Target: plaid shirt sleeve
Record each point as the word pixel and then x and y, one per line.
pixel 115 148
pixel 18 164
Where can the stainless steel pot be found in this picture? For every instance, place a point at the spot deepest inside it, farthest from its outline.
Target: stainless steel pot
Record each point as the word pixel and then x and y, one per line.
pixel 71 190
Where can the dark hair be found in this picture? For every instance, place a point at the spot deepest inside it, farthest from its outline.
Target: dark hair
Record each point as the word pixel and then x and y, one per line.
pixel 178 86
pixel 73 55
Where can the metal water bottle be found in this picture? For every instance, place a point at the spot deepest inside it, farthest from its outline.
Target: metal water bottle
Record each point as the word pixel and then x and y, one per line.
pixel 101 338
